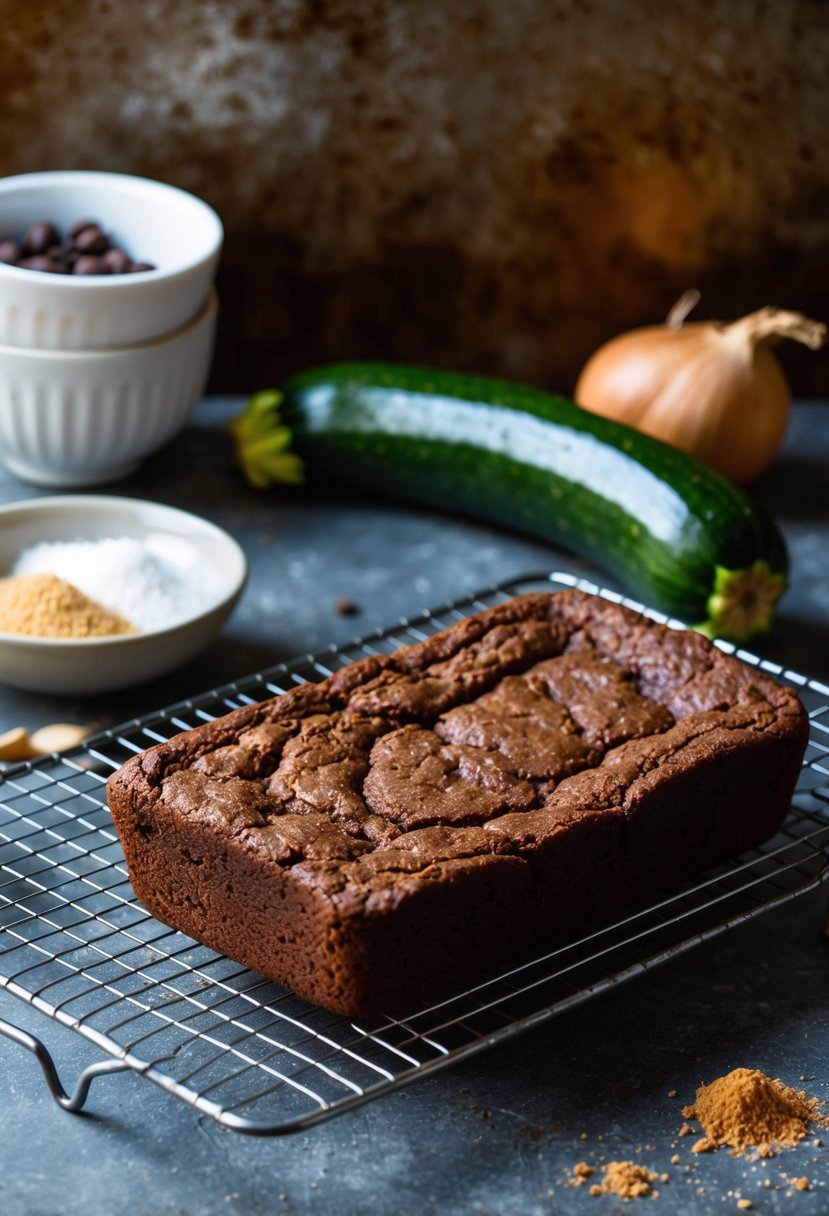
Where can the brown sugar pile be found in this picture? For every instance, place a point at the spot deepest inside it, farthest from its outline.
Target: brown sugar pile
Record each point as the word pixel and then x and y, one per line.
pixel 44 606
pixel 625 1179
pixel 746 1109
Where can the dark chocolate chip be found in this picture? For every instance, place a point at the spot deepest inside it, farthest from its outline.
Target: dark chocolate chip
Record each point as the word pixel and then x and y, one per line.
pixel 92 240
pixel 9 252
pixel 65 255
pixel 87 263
pixel 79 226
pixel 117 261
pixel 39 262
pixel 39 237
pixel 137 266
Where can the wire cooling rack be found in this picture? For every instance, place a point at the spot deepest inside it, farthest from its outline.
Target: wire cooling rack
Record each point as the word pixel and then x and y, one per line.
pixel 75 944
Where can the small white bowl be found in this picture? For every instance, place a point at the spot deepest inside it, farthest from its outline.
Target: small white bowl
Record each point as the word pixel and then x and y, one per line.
pixel 175 231
pixel 83 666
pixel 80 418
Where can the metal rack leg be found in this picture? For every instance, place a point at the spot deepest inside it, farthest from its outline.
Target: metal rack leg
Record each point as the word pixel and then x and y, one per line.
pixel 76 1100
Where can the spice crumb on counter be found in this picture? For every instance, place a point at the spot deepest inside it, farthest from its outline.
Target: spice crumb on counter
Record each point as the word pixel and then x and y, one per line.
pixel 580 1173
pixel 625 1179
pixel 703 1145
pixel 753 1115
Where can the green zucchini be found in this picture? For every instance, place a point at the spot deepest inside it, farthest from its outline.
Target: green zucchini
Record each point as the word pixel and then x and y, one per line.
pixel 677 534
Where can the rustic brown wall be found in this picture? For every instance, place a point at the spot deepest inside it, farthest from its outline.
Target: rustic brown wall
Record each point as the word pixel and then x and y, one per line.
pixel 486 184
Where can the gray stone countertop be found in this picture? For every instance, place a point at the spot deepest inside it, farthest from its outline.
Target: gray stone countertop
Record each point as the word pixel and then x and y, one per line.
pixel 497 1134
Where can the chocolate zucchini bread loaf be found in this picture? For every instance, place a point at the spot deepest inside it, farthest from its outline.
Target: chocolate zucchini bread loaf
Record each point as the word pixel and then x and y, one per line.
pixel 420 817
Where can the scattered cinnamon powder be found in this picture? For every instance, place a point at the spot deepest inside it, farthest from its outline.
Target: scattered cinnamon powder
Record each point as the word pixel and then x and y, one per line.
pixel 45 606
pixel 747 1109
pixel 626 1179
pixel 580 1173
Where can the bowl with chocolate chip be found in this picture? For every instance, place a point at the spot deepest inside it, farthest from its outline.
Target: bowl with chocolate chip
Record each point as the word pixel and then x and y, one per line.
pixel 107 321
pixel 94 261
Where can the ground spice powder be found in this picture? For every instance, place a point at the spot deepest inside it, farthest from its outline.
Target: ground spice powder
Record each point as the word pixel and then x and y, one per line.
pixel 746 1109
pixel 42 605
pixel 581 1172
pixel 625 1179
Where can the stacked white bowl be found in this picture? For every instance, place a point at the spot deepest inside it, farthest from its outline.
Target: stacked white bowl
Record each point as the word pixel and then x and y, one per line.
pixel 98 371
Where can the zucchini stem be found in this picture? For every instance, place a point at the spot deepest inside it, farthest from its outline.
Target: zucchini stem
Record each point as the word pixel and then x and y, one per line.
pixel 742 602
pixel 263 443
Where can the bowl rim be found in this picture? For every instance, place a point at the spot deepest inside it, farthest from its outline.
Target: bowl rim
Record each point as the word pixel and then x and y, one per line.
pixel 99 178
pixel 64 503
pixel 80 353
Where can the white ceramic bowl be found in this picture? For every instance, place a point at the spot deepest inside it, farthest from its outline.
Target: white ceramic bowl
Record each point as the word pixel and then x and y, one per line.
pixel 177 232
pixel 76 667
pixel 80 418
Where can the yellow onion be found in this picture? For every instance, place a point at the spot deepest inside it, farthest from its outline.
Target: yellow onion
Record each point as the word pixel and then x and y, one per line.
pixel 712 389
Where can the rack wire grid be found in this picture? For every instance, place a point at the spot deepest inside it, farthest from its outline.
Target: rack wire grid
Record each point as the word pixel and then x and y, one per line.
pixel 77 945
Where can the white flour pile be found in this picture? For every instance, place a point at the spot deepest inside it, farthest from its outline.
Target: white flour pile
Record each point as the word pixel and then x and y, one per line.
pixel 154 582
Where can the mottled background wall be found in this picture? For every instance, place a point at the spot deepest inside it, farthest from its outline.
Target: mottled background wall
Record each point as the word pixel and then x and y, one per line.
pixel 485 184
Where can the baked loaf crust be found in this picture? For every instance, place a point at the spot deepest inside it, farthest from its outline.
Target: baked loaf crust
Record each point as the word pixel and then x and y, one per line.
pixel 418 818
